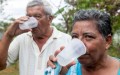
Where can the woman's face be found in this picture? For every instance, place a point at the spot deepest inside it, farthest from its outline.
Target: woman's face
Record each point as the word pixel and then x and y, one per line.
pixel 96 45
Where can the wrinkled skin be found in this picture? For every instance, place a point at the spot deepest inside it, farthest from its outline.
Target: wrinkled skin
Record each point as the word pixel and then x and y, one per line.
pixel 95 43
pixel 43 29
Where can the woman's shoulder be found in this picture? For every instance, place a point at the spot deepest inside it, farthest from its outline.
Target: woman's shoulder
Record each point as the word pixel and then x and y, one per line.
pixel 117 58
pixel 119 69
pixel 119 64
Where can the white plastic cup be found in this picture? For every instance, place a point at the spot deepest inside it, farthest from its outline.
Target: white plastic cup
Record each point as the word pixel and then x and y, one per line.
pixel 30 23
pixel 72 51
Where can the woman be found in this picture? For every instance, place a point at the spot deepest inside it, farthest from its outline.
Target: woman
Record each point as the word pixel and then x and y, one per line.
pixel 93 27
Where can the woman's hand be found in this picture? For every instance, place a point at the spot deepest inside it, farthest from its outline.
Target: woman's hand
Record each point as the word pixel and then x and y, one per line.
pixel 53 59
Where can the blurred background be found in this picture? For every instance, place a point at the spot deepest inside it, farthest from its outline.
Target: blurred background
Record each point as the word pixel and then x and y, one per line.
pixel 63 11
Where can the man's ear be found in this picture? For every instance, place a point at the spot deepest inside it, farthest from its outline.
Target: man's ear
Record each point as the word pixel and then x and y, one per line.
pixel 108 41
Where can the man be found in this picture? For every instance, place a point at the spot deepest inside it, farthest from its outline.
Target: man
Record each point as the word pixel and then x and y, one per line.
pixel 34 48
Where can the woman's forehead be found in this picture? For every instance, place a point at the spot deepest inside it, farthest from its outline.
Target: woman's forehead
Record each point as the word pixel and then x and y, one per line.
pixel 85 26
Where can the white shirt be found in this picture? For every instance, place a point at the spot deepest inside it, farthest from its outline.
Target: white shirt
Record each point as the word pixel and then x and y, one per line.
pixel 31 60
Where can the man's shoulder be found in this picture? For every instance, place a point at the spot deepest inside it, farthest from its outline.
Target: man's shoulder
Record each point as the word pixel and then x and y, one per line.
pixel 24 35
pixel 65 35
pixel 60 33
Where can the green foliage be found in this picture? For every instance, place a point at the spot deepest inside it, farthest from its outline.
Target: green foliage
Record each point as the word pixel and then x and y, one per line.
pixel 116 23
pixel 59 11
pixel 114 51
pixel 3 25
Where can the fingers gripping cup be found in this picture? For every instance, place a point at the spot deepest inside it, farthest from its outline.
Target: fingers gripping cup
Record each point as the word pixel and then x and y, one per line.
pixel 72 51
pixel 30 23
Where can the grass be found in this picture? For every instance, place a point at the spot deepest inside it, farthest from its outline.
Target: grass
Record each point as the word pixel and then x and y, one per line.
pixel 12 70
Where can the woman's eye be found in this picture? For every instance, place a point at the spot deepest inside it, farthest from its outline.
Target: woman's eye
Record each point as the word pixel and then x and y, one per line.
pixel 89 37
pixel 74 36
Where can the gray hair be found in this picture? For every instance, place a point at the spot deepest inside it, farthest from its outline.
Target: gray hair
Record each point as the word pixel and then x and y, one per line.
pixel 103 21
pixel 46 5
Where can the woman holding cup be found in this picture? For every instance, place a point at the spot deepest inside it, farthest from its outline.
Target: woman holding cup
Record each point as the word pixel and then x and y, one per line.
pixel 93 28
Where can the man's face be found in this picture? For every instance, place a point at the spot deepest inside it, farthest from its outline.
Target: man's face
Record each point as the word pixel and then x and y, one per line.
pixel 43 20
pixel 95 43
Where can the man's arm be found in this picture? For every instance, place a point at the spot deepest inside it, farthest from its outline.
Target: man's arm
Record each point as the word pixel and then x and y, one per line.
pixel 13 30
pixel 4 45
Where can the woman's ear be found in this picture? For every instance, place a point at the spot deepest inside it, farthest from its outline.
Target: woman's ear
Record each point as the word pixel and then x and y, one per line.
pixel 108 41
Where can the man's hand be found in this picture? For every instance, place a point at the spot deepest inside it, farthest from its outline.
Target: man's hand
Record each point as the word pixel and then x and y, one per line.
pixel 14 30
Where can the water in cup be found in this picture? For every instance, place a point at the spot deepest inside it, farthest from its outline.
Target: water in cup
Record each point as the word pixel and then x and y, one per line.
pixel 30 23
pixel 72 51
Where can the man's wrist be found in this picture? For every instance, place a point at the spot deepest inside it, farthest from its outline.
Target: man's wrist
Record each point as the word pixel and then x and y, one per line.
pixel 8 35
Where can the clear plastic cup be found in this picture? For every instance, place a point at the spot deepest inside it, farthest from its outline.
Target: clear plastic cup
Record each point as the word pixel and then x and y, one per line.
pixel 30 23
pixel 72 51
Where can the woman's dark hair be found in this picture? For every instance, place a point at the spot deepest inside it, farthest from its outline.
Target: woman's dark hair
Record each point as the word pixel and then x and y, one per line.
pixel 101 18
